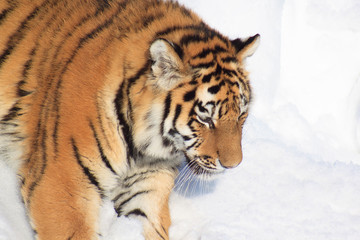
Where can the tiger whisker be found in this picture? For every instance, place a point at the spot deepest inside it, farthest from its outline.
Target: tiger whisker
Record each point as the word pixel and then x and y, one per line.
pixel 184 176
pixel 187 180
pixel 181 175
pixel 184 172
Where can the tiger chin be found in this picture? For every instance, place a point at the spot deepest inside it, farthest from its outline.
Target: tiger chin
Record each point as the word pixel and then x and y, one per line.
pixel 104 99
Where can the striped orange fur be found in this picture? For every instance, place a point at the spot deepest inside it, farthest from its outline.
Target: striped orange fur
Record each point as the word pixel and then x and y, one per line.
pixel 105 99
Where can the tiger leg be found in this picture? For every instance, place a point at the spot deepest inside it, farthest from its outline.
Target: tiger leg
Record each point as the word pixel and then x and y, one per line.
pixel 158 223
pixel 62 204
pixel 145 195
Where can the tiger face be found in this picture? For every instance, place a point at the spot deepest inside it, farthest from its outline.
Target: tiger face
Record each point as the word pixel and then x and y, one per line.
pixel 198 102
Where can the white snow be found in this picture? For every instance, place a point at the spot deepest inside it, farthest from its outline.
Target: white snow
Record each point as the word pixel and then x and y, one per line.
pixel 300 177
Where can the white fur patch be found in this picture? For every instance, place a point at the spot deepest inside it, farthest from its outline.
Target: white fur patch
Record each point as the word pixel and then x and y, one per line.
pixel 11 149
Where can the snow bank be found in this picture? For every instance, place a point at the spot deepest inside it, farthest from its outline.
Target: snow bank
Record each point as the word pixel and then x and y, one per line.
pixel 320 67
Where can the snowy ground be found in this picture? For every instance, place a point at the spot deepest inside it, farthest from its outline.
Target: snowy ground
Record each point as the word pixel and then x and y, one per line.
pixel 300 177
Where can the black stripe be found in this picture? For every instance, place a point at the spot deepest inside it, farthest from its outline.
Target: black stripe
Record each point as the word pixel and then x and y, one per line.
pixel 189 124
pixel 204 65
pixel 20 91
pixel 190 95
pixel 195 77
pixel 12 113
pixel 93 180
pixel 192 145
pixel 128 184
pixel 118 209
pixel 229 59
pixel 9 124
pixel 42 134
pixel 18 35
pixel 147 20
pixel 172 29
pixel 177 114
pixel 166 142
pixel 178 50
pixel 223 108
pixel 125 127
pixel 159 234
pixel 203 53
pixel 100 148
pixel 207 78
pixel 136 212
pixel 207 51
pixel 193 82
pixel 5 12
pixel 102 6
pixel 173 132
pixel 101 126
pixel 117 197
pixel 9 133
pixel 192 38
pixel 69 238
pixel 186 138
pixel 229 72
pixel 218 70
pixel 214 89
pixel 164 229
pixel 201 108
pixel 184 11
pixel 192 110
pixel 198 145
pixel 132 81
pixel 219 49
pixel 228 81
pixel 166 112
pixel 31 189
pixel 139 174
pixel 208 34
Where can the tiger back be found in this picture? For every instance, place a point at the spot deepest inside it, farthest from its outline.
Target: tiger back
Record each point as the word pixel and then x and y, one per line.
pixel 105 99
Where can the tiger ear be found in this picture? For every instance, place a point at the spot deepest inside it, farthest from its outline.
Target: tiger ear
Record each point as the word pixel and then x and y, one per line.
pixel 167 63
pixel 246 47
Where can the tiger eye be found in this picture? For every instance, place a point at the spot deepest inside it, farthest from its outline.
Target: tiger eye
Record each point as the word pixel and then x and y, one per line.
pixel 208 121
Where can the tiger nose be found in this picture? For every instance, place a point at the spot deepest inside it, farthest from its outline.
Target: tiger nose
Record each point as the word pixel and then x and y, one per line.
pixel 230 163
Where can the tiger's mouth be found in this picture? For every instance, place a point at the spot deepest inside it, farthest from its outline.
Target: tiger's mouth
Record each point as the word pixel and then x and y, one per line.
pixel 195 178
pixel 198 167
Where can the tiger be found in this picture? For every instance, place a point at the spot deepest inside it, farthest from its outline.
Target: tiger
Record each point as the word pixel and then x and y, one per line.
pixel 105 99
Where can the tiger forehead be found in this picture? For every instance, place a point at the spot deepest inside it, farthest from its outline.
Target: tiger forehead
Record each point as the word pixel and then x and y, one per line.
pixel 215 61
pixel 218 91
pixel 214 51
pixel 218 80
pixel 216 86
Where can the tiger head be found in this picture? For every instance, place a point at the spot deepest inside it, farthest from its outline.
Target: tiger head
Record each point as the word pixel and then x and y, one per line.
pixel 195 102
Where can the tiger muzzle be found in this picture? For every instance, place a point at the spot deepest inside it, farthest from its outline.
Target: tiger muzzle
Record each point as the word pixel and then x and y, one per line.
pixel 228 144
